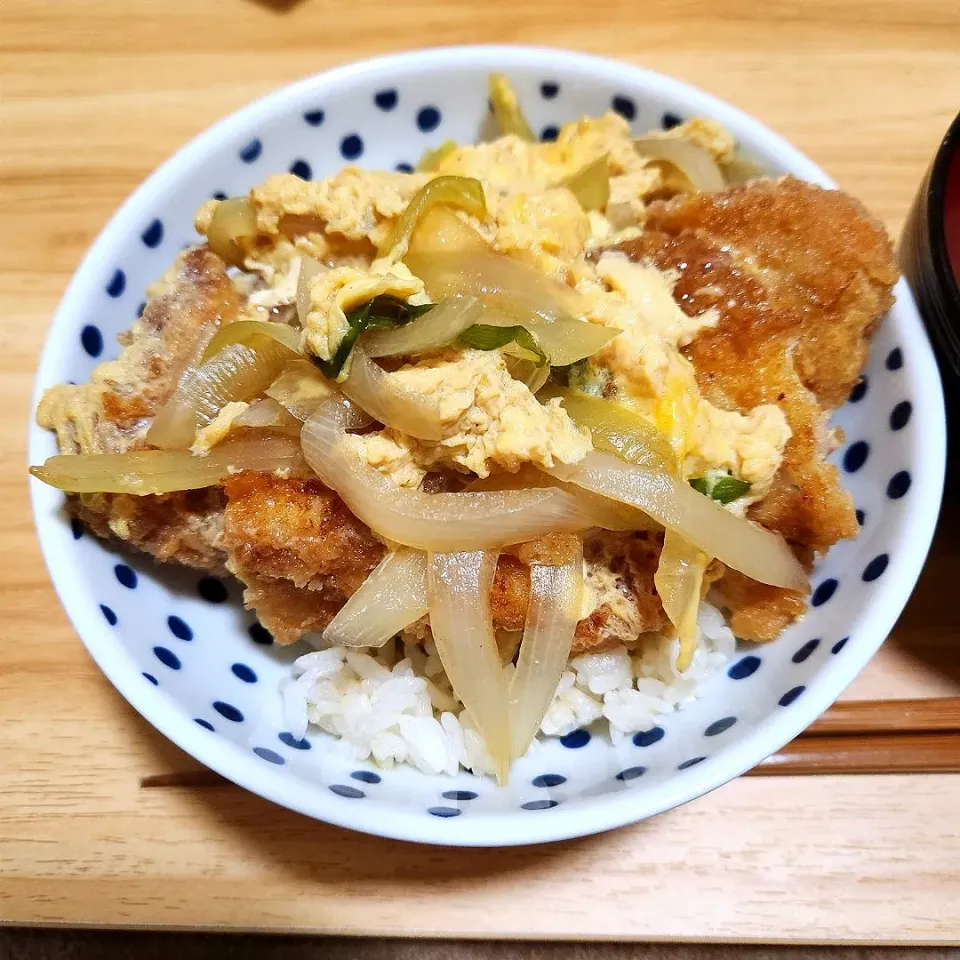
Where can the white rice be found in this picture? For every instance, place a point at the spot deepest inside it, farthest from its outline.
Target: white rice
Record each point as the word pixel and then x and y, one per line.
pixel 398 707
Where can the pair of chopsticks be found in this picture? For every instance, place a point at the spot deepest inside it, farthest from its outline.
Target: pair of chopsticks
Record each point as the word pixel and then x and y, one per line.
pixel 875 736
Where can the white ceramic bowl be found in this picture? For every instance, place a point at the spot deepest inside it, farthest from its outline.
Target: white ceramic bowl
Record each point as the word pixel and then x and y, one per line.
pixel 180 649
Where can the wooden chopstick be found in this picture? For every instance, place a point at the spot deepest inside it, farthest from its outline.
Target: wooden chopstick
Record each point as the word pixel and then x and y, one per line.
pixel 871 717
pixel 883 753
pixel 855 736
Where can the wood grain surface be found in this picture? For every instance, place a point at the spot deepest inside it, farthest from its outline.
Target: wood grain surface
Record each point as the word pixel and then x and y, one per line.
pixel 93 95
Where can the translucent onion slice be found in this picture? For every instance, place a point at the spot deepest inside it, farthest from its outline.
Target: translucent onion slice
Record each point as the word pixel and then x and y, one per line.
pixel 431 159
pixel 166 471
pixel 248 333
pixel 755 552
pixel 506 108
pixel 309 268
pixel 515 293
pixel 591 184
pixel 679 582
pixel 616 428
pixel 437 521
pixel 458 589
pixel 301 388
pixel 552 615
pixel 375 391
pixel 696 166
pixel 391 598
pixel 236 373
pixel 440 230
pixel 436 328
pixel 269 415
pixel 465 193
pixel 233 219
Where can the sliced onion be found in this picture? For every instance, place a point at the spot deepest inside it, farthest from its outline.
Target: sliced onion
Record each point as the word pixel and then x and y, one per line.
pixel 269 415
pixel 248 333
pixel 506 109
pixel 238 372
pixel 465 193
pixel 233 219
pixel 755 552
pixel 373 390
pixel 516 293
pixel 616 428
pixel 301 388
pixel 458 588
pixel 591 184
pixel 438 521
pixel 552 615
pixel 391 598
pixel 697 167
pixel 436 328
pixel 440 230
pixel 679 582
pixel 309 268
pixel 166 471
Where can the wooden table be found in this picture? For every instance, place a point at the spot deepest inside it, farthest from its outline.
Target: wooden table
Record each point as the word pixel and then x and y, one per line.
pixel 94 95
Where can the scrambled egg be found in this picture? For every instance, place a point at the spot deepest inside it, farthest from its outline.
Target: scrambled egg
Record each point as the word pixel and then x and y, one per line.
pixel 491 421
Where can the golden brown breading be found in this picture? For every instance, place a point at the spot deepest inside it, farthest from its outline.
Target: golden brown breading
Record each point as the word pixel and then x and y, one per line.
pixel 294 533
pixel 108 414
pixel 800 277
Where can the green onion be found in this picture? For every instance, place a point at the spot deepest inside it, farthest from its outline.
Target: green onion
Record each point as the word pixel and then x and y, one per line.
pixel 720 486
pixel 380 313
pixel 518 340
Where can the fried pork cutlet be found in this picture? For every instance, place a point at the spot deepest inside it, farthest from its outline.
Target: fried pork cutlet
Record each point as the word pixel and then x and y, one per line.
pixel 800 277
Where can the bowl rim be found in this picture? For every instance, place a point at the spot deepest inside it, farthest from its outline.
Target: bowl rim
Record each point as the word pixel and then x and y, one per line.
pixel 517 827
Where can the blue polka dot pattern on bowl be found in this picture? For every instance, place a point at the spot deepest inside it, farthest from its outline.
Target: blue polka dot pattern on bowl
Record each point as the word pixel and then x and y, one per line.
pixel 271 756
pixel 624 106
pixel 351 147
pixel 549 90
pixel 875 568
pixel 228 711
pixel 860 390
pixel 250 152
pixel 345 790
pixel 719 726
pixel 895 359
pixel 548 780
pixel 899 485
pixel 576 739
pixel 179 629
pixel 91 339
pixel 76 528
pixel 314 117
pixel 260 634
pixel 385 99
pixel 804 652
pixel 539 805
pixel 839 645
pixel 287 738
pixel 861 517
pixel 631 773
pixel 692 762
pixel 301 169
pixel 428 119
pixel 744 667
pixel 460 795
pixel 117 284
pixel 670 120
pixel 856 456
pixel 151 678
pixel 366 776
pixel 125 576
pixel 206 724
pixel 445 812
pixel 900 415
pixel 549 133
pixel 404 168
pixel 790 696
pixel 108 615
pixel 823 592
pixel 167 657
pixel 647 738
pixel 153 236
pixel 242 672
